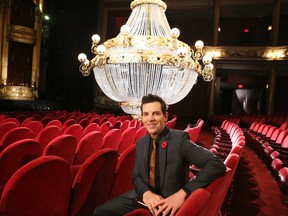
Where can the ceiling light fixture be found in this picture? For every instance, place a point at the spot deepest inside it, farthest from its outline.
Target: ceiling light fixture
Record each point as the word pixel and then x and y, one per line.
pixel 146 57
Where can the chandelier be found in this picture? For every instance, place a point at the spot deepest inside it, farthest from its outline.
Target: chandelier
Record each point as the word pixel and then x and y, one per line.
pixel 146 57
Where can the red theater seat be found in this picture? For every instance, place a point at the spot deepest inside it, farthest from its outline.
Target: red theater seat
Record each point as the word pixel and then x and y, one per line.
pixel 14 135
pixel 127 139
pixel 40 187
pixel 75 130
pixel 63 146
pixel 5 127
pixel 92 182
pixel 47 134
pixel 88 145
pixel 112 139
pixel 123 173
pixel 15 156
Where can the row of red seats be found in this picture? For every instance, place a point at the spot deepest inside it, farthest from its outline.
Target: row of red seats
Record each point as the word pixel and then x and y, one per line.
pixel 247 119
pixel 45 185
pixel 229 138
pixel 195 130
pixel 271 144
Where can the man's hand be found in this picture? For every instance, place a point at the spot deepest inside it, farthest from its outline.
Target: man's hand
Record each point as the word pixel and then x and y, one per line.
pixel 151 200
pixel 171 204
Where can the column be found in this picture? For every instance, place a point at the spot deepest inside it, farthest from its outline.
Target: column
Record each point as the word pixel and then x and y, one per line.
pixel 274 42
pixel 271 90
pixel 5 22
pixel 36 52
pixel 216 9
pixel 1 35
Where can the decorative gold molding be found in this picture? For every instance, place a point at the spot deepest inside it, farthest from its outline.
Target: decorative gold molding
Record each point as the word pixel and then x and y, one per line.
pixel 157 2
pixel 22 34
pixel 17 92
pixel 248 53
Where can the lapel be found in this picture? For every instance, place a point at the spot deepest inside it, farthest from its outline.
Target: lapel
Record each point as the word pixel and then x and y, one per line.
pixel 163 157
pixel 146 141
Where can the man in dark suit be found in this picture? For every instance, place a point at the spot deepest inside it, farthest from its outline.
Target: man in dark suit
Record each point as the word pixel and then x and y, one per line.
pixel 161 169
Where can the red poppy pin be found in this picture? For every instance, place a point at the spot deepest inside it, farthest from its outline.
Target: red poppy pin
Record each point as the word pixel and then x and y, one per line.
pixel 164 144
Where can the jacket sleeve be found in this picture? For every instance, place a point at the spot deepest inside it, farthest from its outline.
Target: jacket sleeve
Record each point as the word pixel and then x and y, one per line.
pixel 211 166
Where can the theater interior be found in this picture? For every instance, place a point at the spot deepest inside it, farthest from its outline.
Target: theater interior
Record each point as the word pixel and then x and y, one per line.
pixel 237 108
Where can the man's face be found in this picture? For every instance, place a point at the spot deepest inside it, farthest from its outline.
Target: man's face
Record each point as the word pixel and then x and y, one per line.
pixel 153 118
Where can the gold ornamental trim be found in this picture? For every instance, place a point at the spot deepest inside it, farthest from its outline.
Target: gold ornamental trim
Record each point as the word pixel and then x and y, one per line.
pixel 276 53
pixel 17 92
pixel 157 2
pixel 22 34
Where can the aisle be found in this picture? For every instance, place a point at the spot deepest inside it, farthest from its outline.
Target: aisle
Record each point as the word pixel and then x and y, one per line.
pixel 254 192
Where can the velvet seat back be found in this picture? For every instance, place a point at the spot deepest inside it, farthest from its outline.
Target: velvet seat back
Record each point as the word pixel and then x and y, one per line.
pixel 63 146
pixel 92 182
pixel 14 135
pixel 47 134
pixel 88 145
pixel 123 173
pixel 41 187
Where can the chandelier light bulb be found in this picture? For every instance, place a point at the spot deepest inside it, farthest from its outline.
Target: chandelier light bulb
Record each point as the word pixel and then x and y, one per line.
pixel 207 59
pixel 199 44
pixel 101 49
pixel 86 62
pixel 140 47
pixel 182 51
pixel 125 29
pixel 82 57
pixel 175 33
pixel 210 66
pixel 96 38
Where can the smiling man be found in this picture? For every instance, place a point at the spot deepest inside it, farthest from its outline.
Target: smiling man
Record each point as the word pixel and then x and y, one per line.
pixel 161 169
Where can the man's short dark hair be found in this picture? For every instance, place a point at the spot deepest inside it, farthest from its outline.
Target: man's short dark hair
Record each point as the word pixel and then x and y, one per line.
pixel 154 98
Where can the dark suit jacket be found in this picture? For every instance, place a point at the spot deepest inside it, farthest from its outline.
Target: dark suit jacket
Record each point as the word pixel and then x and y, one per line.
pixel 174 161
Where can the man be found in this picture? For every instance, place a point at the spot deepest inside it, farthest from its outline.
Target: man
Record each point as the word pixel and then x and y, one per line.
pixel 161 176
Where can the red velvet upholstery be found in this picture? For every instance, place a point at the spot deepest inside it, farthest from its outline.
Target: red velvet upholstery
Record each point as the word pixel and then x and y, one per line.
pixel 117 124
pixel 283 176
pixel 95 120
pixel 14 135
pixel 63 146
pixel 140 133
pixel 55 122
pixel 220 186
pixel 112 139
pixel 11 120
pixel 41 187
pixel 27 120
pixel 127 138
pixel 84 122
pixel 35 126
pixel 93 181
pixel 195 203
pixel 88 145
pixel 69 122
pixel 76 130
pixel 104 129
pixel 123 173
pixel 5 127
pixel 91 127
pixel 45 120
pixel 15 156
pixel 125 125
pixel 47 134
